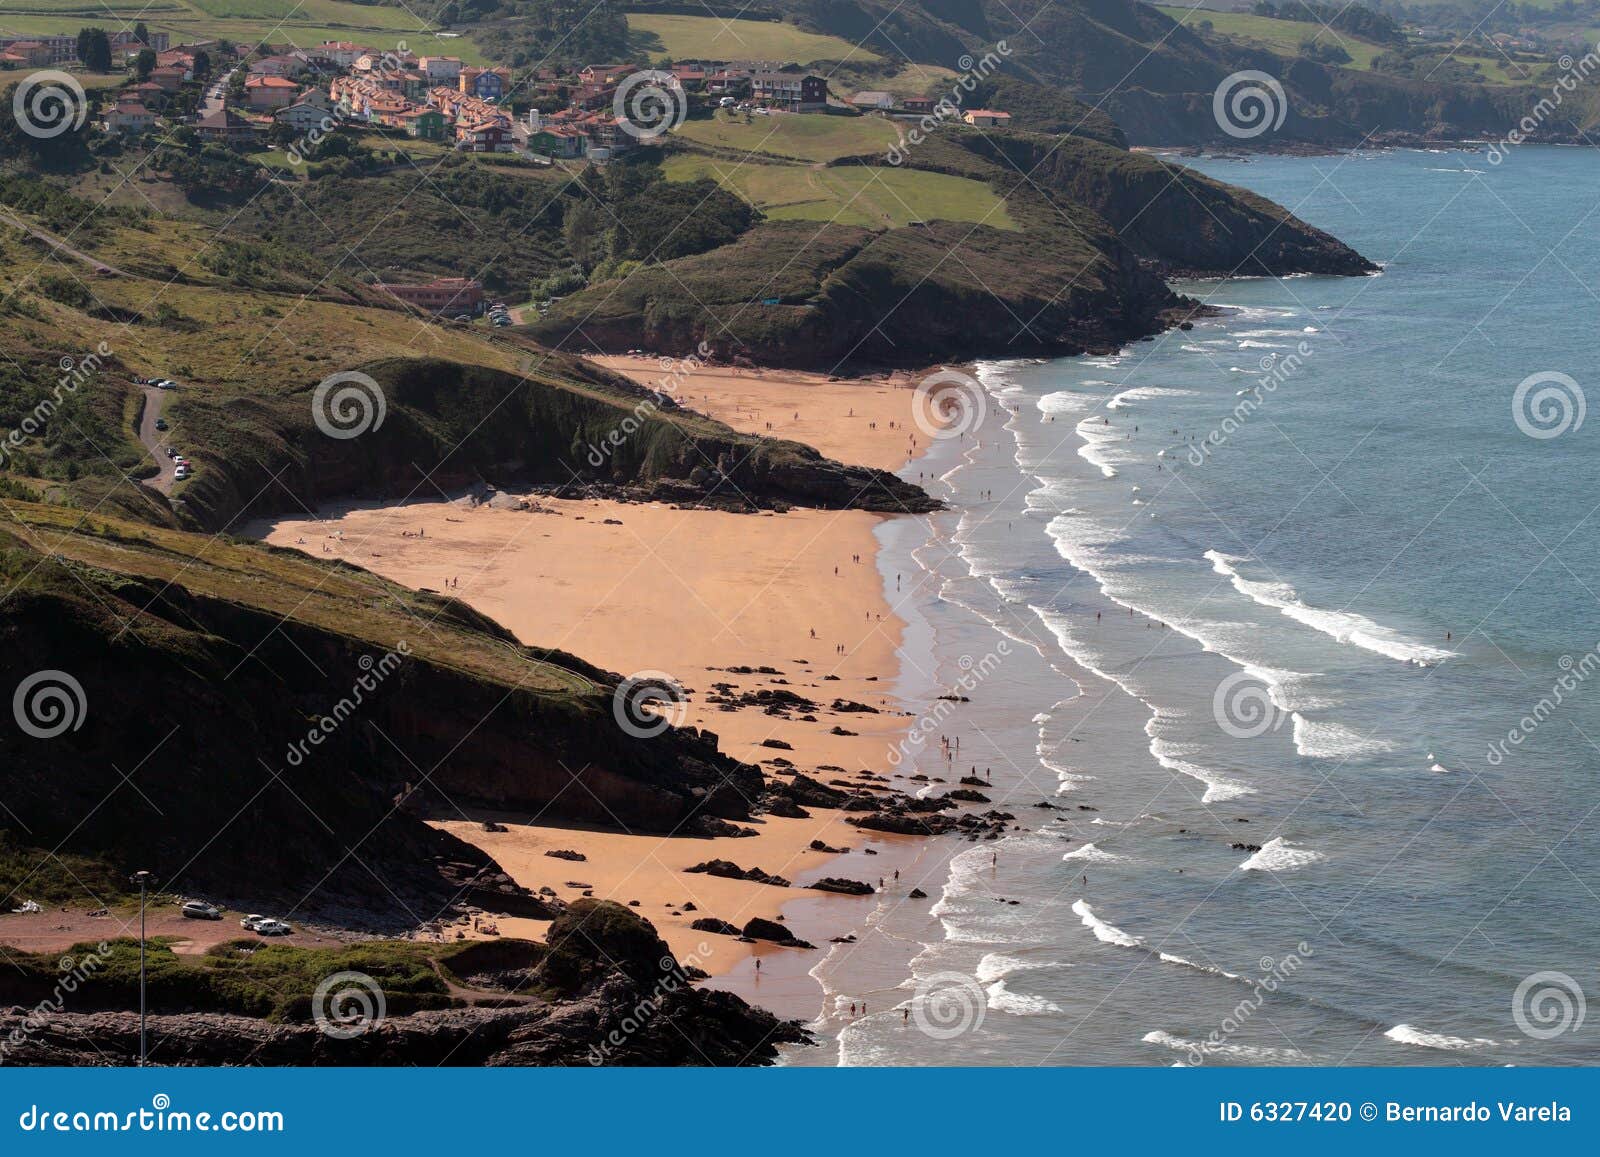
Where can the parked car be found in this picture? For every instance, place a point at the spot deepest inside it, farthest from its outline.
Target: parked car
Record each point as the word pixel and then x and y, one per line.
pixel 166 384
pixel 161 423
pixel 200 910
pixel 249 922
pixel 270 927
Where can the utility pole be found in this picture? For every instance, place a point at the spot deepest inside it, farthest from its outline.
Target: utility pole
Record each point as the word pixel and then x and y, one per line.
pixel 143 880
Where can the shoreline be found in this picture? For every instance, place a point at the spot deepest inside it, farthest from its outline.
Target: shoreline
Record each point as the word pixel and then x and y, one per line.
pixel 730 605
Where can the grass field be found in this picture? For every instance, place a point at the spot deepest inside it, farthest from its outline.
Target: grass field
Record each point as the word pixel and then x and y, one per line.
pixel 1285 36
pixel 302 23
pixel 1282 36
pixel 803 136
pixel 711 38
pixel 875 198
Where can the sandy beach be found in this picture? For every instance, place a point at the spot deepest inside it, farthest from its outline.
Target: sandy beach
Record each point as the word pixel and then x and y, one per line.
pixel 647 587
pixel 861 421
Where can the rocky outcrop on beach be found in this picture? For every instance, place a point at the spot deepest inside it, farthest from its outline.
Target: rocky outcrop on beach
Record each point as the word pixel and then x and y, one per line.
pixel 759 928
pixel 728 870
pixel 610 994
pixel 842 886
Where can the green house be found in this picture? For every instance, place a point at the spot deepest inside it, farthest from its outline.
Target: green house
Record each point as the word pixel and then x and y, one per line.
pixel 425 124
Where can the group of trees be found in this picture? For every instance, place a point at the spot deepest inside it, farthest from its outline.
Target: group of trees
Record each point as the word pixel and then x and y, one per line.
pixel 1356 19
pixel 627 214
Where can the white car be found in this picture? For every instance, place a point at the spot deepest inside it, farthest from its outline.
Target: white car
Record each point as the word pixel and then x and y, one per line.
pixel 166 384
pixel 270 927
pixel 200 910
pixel 249 922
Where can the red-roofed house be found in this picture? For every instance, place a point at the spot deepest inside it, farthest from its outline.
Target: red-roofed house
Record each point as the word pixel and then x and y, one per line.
pixel 269 92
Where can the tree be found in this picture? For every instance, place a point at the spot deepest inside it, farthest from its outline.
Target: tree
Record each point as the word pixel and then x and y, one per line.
pixel 141 33
pixel 94 49
pixel 144 64
pixel 202 63
pixel 585 233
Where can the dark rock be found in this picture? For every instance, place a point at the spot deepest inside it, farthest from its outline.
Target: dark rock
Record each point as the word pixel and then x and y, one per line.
pixel 566 854
pixel 712 924
pixel 769 930
pixel 842 886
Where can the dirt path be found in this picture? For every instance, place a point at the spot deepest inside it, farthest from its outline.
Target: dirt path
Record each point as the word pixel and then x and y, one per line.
pixel 60 246
pixel 155 440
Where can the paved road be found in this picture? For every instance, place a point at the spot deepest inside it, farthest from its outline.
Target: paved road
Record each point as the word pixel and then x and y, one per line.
pixel 156 440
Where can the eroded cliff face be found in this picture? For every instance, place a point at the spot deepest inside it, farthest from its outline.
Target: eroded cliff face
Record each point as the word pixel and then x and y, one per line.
pixel 215 702
pixel 451 425
pixel 1184 223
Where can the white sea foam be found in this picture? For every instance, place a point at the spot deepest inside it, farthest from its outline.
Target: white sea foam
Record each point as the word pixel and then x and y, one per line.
pixel 1320 739
pixel 1408 1034
pixel 1170 958
pixel 1089 854
pixel 1245 1054
pixel 1002 999
pixel 1345 626
pixel 997 966
pixel 1105 933
pixel 1171 756
pixel 1279 855
pixel 1262 345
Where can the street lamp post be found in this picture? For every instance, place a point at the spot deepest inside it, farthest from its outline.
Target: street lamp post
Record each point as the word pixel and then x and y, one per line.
pixel 143 880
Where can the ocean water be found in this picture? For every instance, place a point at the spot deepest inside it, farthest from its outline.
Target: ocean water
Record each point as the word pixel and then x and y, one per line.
pixel 1259 659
